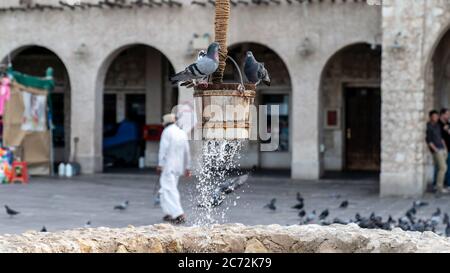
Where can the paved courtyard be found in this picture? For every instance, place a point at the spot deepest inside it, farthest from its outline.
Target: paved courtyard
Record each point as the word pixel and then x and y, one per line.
pixel 70 203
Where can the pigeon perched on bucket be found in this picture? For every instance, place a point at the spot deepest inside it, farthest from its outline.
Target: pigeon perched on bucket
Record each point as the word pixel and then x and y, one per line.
pixel 255 71
pixel 202 68
pixel 191 83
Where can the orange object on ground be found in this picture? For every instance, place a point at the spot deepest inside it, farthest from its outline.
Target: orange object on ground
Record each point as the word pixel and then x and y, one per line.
pixel 19 172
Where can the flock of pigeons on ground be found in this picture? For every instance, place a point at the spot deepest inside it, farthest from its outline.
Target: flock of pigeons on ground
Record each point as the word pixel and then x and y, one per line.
pixel 408 222
pixel 227 187
pixel 121 207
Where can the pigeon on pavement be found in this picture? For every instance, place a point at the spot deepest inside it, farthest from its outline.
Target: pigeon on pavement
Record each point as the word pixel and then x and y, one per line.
pixel 339 221
pixel 232 184
pixel 419 204
pixel 437 212
pixel 122 206
pixel 10 211
pixel 344 204
pixel 216 200
pixel 271 205
pixel 311 217
pixel 324 214
pixel 302 213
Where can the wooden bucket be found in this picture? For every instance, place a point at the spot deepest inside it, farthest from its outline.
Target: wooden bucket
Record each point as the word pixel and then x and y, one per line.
pixel 224 111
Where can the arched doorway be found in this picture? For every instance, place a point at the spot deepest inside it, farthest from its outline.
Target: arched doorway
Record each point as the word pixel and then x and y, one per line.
pixel 34 60
pixel 439 77
pixel 437 94
pixel 351 109
pixel 278 93
pixel 136 93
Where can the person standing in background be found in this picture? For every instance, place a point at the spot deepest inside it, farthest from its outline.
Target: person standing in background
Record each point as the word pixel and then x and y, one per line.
pixel 438 149
pixel 445 129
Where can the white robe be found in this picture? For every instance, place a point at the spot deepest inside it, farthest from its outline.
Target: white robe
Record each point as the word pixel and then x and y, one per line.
pixel 174 158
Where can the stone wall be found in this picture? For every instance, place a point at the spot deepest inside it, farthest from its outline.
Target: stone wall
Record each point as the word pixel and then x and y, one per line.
pixel 412 30
pixel 226 238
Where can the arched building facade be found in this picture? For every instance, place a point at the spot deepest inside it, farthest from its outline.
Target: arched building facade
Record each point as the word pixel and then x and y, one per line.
pixel 335 56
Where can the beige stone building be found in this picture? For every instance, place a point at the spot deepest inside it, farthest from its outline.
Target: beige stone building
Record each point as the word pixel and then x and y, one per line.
pixel 355 79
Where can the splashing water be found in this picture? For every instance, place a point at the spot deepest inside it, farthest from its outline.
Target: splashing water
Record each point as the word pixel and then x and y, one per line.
pixel 219 159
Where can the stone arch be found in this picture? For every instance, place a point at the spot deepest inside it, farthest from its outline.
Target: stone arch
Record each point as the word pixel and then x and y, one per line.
pixel 106 60
pixel 438 38
pixel 437 72
pixel 352 70
pixel 133 82
pixel 43 57
pixel 437 83
pixel 279 93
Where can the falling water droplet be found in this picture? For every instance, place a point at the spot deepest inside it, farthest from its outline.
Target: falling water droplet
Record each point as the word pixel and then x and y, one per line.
pixel 219 159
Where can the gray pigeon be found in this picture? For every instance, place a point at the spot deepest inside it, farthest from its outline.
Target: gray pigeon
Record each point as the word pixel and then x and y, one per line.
pixel 202 68
pixel 344 204
pixel 191 83
pixel 255 71
pixel 271 205
pixel 324 214
pixel 122 206
pixel 216 200
pixel 311 217
pixel 232 184
pixel 10 211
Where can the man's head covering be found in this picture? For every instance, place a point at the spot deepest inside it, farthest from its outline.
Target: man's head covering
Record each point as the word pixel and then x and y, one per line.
pixel 169 118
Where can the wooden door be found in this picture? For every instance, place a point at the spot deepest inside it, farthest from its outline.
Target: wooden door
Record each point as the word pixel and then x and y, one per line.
pixel 363 128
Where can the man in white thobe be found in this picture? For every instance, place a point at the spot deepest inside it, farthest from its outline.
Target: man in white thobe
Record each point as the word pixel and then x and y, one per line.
pixel 174 161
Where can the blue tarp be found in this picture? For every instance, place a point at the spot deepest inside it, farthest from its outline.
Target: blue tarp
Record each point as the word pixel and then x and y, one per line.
pixel 127 132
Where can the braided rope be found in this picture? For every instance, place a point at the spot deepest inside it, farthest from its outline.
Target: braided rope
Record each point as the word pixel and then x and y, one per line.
pixel 222 17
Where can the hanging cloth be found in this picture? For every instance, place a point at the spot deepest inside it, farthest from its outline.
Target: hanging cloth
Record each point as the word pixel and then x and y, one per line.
pixel 5 93
pixel 25 125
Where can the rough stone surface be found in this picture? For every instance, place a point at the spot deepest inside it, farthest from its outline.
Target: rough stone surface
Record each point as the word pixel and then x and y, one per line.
pixel 411 73
pixel 225 238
